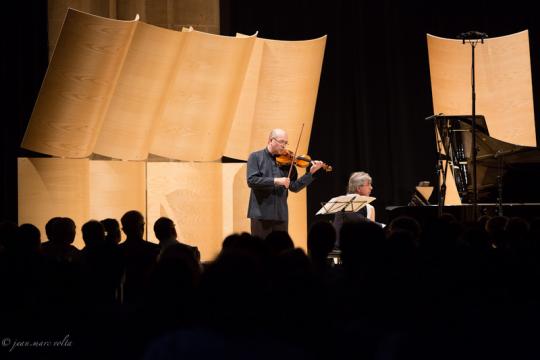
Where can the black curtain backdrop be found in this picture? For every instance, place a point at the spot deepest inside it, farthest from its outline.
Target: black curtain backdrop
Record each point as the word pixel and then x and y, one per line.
pixel 24 63
pixel 375 89
pixel 374 92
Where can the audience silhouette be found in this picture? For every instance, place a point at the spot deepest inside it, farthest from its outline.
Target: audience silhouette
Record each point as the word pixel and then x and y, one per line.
pixel 440 289
pixel 139 257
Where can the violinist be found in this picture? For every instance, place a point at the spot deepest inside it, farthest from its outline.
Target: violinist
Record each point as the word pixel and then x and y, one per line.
pixel 270 182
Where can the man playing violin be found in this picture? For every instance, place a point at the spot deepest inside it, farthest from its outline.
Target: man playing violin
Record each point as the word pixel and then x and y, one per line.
pixel 270 184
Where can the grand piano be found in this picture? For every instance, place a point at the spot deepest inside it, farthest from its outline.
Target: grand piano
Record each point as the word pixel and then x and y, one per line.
pixel 508 175
pixel 505 172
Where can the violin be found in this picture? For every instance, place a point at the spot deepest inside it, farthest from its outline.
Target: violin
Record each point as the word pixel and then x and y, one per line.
pixel 302 161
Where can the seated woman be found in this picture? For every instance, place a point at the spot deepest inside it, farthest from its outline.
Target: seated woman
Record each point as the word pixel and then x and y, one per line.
pixel 359 183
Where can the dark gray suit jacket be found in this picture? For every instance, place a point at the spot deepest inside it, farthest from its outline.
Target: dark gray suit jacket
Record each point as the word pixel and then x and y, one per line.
pixel 268 201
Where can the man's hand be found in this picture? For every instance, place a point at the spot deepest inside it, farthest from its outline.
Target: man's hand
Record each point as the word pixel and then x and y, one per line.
pixel 283 181
pixel 315 166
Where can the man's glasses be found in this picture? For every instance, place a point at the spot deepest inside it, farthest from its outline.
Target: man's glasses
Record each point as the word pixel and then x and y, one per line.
pixel 281 142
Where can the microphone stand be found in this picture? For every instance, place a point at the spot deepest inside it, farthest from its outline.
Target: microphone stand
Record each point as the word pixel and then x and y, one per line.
pixel 472 37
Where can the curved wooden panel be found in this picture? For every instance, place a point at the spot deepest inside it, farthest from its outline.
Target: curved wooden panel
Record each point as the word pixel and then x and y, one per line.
pixel 191 195
pixel 282 94
pixel 203 96
pixel 503 83
pixel 138 100
pixel 77 89
pixel 239 141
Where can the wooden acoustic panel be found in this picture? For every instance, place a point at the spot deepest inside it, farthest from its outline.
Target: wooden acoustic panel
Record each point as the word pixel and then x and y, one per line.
pixel 49 188
pixel 503 83
pixel 202 99
pixel 207 201
pixel 240 136
pixel 77 88
pixel 79 189
pixel 240 200
pixel 125 89
pixel 138 100
pixel 235 199
pixel 191 195
pixel 286 92
pixel 116 187
pixel 298 217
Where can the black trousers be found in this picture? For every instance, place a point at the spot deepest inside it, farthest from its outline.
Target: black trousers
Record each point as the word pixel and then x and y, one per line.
pixel 262 228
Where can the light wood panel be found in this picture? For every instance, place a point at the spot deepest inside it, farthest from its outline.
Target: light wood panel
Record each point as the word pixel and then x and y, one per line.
pixel 503 83
pixel 53 187
pixel 240 196
pixel 203 14
pixel 235 199
pixel 57 10
pixel 286 93
pixel 138 100
pixel 200 105
pixel 79 189
pixel 298 218
pixel 77 88
pixel 191 195
pixel 239 141
pixel 123 89
pixel 116 187
pixel 207 201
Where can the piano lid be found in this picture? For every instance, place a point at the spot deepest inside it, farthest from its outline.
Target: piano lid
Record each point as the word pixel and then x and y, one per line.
pixel 517 167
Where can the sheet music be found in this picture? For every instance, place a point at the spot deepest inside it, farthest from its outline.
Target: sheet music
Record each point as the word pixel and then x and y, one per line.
pixel 349 202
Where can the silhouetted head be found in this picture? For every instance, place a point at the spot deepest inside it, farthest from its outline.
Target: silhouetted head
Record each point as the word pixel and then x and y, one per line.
pixel 93 233
pixel 112 230
pixel 449 218
pixel 133 224
pixel 164 229
pixel 50 230
pixel 28 238
pixel 361 243
pixel 245 243
pixel 321 239
pixel 496 224
pixel 279 241
pixel 405 223
pixel 61 230
pixel 482 220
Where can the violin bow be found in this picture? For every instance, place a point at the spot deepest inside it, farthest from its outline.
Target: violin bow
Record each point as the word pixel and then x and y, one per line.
pixel 295 151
